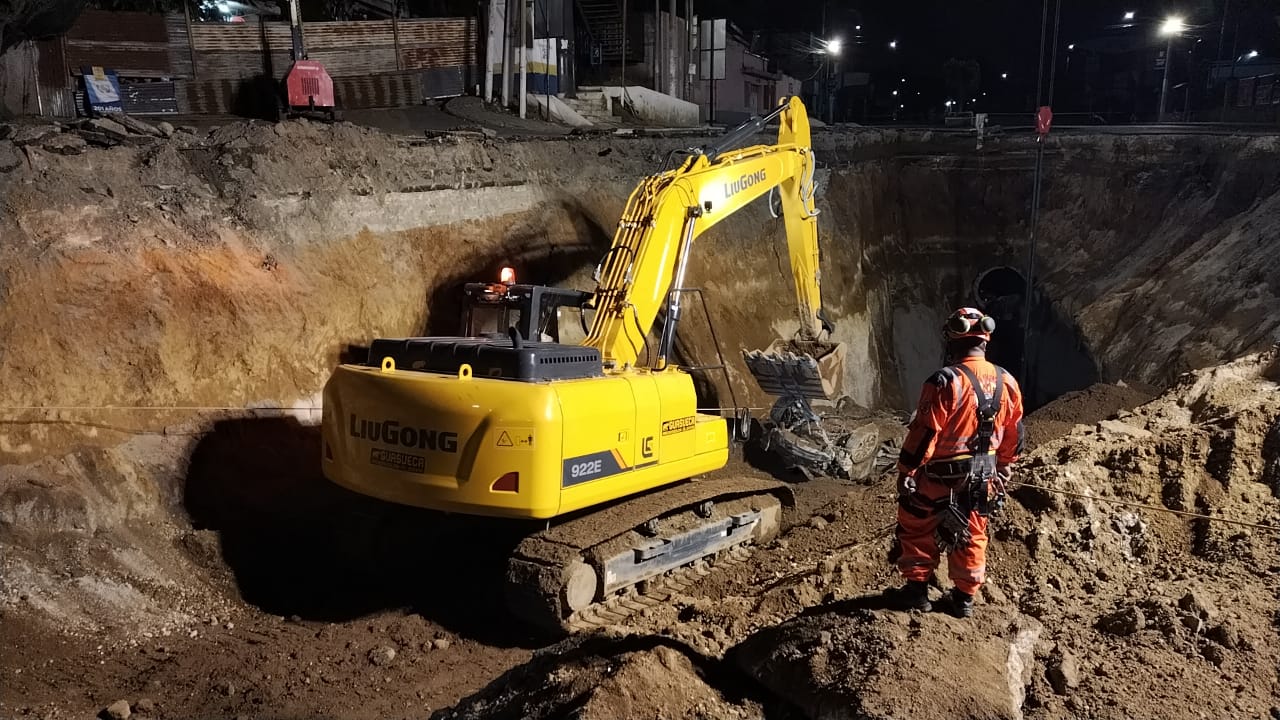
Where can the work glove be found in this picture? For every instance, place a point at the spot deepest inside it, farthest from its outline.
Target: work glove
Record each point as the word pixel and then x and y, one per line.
pixel 906 485
pixel 1000 483
pixel 1000 487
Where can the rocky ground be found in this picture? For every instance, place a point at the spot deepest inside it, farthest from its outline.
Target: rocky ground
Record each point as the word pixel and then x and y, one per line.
pixel 172 302
pixel 1082 592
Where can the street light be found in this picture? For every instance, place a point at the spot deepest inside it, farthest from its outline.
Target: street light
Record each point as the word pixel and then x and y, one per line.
pixel 1072 46
pixel 1251 55
pixel 1130 15
pixel 893 44
pixel 1172 27
pixel 1004 76
pixel 895 92
pixel 831 48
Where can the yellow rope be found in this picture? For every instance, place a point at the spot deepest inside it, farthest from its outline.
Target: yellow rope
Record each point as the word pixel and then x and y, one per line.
pixel 1155 508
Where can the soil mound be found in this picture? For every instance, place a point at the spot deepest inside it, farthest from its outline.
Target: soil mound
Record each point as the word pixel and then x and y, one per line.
pixel 1191 601
pixel 868 664
pixel 1096 402
pixel 601 678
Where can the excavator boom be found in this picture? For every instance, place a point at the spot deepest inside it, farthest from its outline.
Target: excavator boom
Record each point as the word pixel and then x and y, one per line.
pixel 669 211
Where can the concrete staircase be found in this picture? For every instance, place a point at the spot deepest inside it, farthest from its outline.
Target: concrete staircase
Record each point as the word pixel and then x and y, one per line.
pixel 594 105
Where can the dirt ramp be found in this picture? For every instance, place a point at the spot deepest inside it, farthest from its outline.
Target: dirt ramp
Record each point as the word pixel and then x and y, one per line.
pixel 601 678
pixel 849 661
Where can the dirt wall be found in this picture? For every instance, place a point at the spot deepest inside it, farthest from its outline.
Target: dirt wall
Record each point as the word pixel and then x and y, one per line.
pixel 232 271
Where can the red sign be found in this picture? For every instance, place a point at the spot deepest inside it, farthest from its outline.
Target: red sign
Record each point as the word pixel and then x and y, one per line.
pixel 1044 118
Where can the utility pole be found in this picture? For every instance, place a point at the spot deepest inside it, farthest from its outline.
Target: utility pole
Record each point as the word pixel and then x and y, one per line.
pixel 622 81
pixel 1186 94
pixel 1164 84
pixel 524 59
pixel 1235 57
pixel 657 45
pixel 506 52
pixel 831 88
pixel 824 91
pixel 689 56
pixel 817 94
pixel 670 80
pixel 1222 28
pixel 488 45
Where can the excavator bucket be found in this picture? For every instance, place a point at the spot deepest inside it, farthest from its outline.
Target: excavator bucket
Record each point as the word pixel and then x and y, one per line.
pixel 790 370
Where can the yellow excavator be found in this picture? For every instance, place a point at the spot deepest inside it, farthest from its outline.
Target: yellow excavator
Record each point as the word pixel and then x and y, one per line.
pixel 612 456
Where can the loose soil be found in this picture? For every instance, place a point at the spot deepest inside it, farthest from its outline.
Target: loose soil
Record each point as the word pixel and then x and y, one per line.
pixel 1096 402
pixel 192 562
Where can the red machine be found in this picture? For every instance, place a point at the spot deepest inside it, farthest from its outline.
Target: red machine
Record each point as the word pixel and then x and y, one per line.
pixel 307 86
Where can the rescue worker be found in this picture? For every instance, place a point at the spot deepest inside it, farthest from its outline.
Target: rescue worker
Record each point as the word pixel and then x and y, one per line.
pixel 954 465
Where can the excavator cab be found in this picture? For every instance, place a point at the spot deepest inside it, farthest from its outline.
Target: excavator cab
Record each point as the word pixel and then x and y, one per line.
pixel 537 312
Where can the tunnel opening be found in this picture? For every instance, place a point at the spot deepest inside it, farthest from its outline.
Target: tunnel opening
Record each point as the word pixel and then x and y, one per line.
pixel 1001 293
pixel 1049 358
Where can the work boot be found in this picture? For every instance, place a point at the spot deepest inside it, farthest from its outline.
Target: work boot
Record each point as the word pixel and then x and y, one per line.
pixel 914 596
pixel 959 604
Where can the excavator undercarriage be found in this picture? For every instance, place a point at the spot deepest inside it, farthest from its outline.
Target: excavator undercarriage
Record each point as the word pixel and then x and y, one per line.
pixel 596 570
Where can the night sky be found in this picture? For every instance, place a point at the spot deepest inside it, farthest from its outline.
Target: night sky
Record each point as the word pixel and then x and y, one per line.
pixel 1002 35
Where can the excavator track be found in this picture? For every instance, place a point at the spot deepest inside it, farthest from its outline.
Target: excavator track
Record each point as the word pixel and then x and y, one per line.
pixel 655 592
pixel 599 569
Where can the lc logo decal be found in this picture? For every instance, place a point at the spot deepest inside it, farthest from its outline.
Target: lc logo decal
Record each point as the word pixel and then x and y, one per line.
pixel 646 448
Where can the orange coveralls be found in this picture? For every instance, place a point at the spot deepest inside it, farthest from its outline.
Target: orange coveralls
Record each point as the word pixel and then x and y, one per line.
pixel 941 433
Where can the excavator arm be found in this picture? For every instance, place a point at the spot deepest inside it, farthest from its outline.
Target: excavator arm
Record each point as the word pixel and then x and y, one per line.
pixel 667 212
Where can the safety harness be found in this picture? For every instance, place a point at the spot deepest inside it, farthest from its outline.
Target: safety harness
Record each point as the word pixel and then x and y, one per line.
pixel 969 479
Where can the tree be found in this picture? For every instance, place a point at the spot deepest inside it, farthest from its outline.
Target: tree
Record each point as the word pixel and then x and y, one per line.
pixel 962 79
pixel 22 20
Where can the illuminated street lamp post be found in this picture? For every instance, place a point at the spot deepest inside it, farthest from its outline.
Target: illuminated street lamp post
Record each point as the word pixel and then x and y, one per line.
pixel 827 52
pixel 1172 27
pixel 833 51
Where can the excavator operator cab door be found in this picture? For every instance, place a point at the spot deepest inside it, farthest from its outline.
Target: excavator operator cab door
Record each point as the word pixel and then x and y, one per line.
pixel 540 313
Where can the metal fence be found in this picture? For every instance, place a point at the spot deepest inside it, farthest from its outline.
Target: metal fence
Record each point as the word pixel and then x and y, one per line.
pixel 169 64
